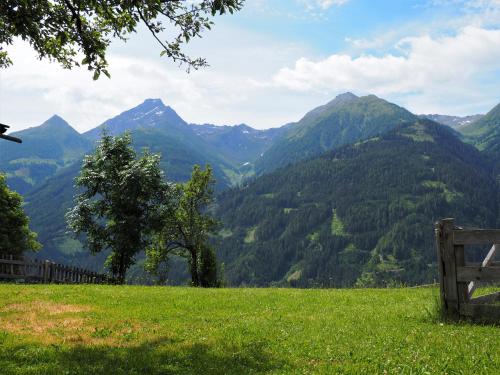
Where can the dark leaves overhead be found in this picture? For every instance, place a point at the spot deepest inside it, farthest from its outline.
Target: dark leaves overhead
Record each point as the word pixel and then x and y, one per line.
pixel 63 30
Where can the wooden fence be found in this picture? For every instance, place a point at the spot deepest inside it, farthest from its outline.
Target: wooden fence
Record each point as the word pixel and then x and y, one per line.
pixel 459 279
pixel 37 271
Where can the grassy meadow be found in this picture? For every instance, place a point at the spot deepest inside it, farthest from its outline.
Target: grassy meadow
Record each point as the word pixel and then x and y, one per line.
pixel 93 329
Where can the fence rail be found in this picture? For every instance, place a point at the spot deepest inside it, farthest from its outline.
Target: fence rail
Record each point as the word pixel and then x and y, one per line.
pixel 459 280
pixel 38 271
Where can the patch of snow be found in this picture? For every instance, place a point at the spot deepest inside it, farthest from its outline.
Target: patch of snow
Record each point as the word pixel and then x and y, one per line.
pixel 142 114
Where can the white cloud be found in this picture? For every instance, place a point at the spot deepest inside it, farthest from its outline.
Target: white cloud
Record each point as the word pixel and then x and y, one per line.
pixel 312 5
pixel 425 66
pixel 325 4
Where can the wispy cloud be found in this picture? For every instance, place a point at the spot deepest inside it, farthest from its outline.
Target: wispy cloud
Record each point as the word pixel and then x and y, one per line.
pixel 325 4
pixel 319 6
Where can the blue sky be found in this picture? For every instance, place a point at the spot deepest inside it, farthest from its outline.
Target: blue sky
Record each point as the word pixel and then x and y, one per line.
pixel 276 59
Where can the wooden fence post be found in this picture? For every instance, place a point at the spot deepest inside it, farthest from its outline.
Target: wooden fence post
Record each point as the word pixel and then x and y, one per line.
pixel 462 287
pixel 44 271
pixel 446 256
pixel 439 246
pixel 11 257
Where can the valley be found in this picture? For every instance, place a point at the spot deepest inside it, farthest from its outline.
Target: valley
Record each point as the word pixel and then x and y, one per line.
pixel 345 196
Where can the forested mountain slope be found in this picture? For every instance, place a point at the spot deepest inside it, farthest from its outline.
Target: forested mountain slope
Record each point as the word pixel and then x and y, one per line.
pixel 46 206
pixel 361 214
pixel 485 133
pixel 344 120
pixel 45 149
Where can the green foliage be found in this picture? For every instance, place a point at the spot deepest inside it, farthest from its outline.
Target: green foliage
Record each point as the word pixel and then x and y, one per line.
pixel 117 209
pixel 60 30
pixel 337 226
pixel 15 235
pixel 101 330
pixel 186 226
pixel 386 195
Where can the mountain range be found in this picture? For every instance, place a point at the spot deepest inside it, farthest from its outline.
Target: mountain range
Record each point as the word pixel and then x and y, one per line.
pixel 346 195
pixel 455 122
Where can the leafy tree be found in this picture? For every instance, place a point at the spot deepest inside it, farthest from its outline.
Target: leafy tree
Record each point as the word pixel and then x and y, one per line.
pixel 186 226
pixel 118 205
pixel 61 30
pixel 15 236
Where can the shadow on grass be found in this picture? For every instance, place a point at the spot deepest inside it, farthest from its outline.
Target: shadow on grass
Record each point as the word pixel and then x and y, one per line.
pixel 154 357
pixel 436 314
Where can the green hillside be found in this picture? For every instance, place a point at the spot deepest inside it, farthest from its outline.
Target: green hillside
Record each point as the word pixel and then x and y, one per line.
pixel 485 135
pixel 361 214
pixel 180 154
pixel 45 149
pixel 485 131
pixel 344 120
pixel 46 206
pixel 81 330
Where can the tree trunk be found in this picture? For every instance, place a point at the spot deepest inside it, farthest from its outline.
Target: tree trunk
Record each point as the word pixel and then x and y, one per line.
pixel 195 280
pixel 121 270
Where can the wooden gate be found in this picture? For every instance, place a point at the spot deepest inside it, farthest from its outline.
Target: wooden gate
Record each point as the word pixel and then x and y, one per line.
pixel 459 280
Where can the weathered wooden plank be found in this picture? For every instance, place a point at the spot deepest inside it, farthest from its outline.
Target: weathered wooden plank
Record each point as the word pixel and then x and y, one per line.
pixel 8 261
pixel 438 231
pixel 11 276
pixel 489 257
pixel 468 273
pixel 481 311
pixel 480 264
pixel 476 236
pixel 449 269
pixel 488 260
pixel 462 287
pixel 450 278
pixel 488 298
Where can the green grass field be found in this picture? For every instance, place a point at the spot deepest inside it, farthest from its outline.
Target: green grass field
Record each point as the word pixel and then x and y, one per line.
pixel 50 329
